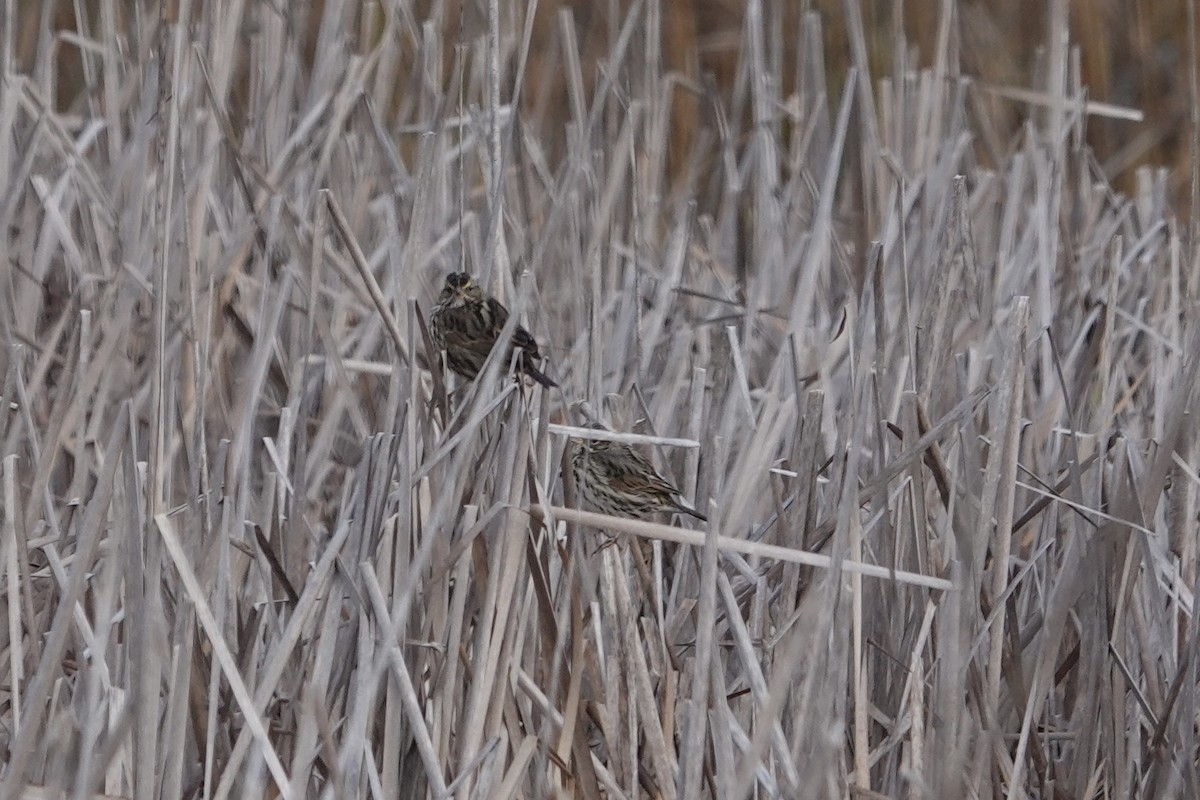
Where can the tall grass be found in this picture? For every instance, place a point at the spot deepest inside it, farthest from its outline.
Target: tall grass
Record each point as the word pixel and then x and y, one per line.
pixel 931 385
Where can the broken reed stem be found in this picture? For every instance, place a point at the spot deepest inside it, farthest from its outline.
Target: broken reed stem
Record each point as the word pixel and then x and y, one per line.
pixel 651 530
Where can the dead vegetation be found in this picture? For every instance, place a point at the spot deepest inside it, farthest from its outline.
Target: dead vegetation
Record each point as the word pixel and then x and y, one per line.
pixel 938 414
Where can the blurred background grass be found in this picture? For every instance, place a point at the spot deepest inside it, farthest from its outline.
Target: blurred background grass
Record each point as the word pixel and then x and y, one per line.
pixel 1131 53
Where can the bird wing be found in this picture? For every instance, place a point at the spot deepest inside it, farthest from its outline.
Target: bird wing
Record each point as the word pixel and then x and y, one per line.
pixel 644 478
pixel 457 339
pixel 521 338
pixel 642 484
pixel 498 313
pixel 525 341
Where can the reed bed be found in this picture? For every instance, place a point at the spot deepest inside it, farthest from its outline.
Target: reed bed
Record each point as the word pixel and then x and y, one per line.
pixel 932 388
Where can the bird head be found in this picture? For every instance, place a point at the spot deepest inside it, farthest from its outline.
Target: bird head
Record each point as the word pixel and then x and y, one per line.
pixel 459 290
pixel 594 445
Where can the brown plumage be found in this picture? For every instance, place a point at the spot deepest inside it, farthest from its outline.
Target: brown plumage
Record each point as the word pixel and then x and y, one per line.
pixel 615 479
pixel 466 322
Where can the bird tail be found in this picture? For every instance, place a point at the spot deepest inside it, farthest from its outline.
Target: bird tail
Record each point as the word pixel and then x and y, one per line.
pixel 688 510
pixel 538 375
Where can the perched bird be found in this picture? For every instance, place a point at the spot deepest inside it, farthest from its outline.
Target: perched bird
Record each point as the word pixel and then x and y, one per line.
pixel 615 479
pixel 466 322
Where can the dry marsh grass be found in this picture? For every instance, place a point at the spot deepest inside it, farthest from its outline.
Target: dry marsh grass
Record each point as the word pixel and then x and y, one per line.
pixel 938 414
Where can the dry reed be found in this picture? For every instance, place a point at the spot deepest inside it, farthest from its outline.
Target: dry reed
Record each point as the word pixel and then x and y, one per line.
pixel 937 413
